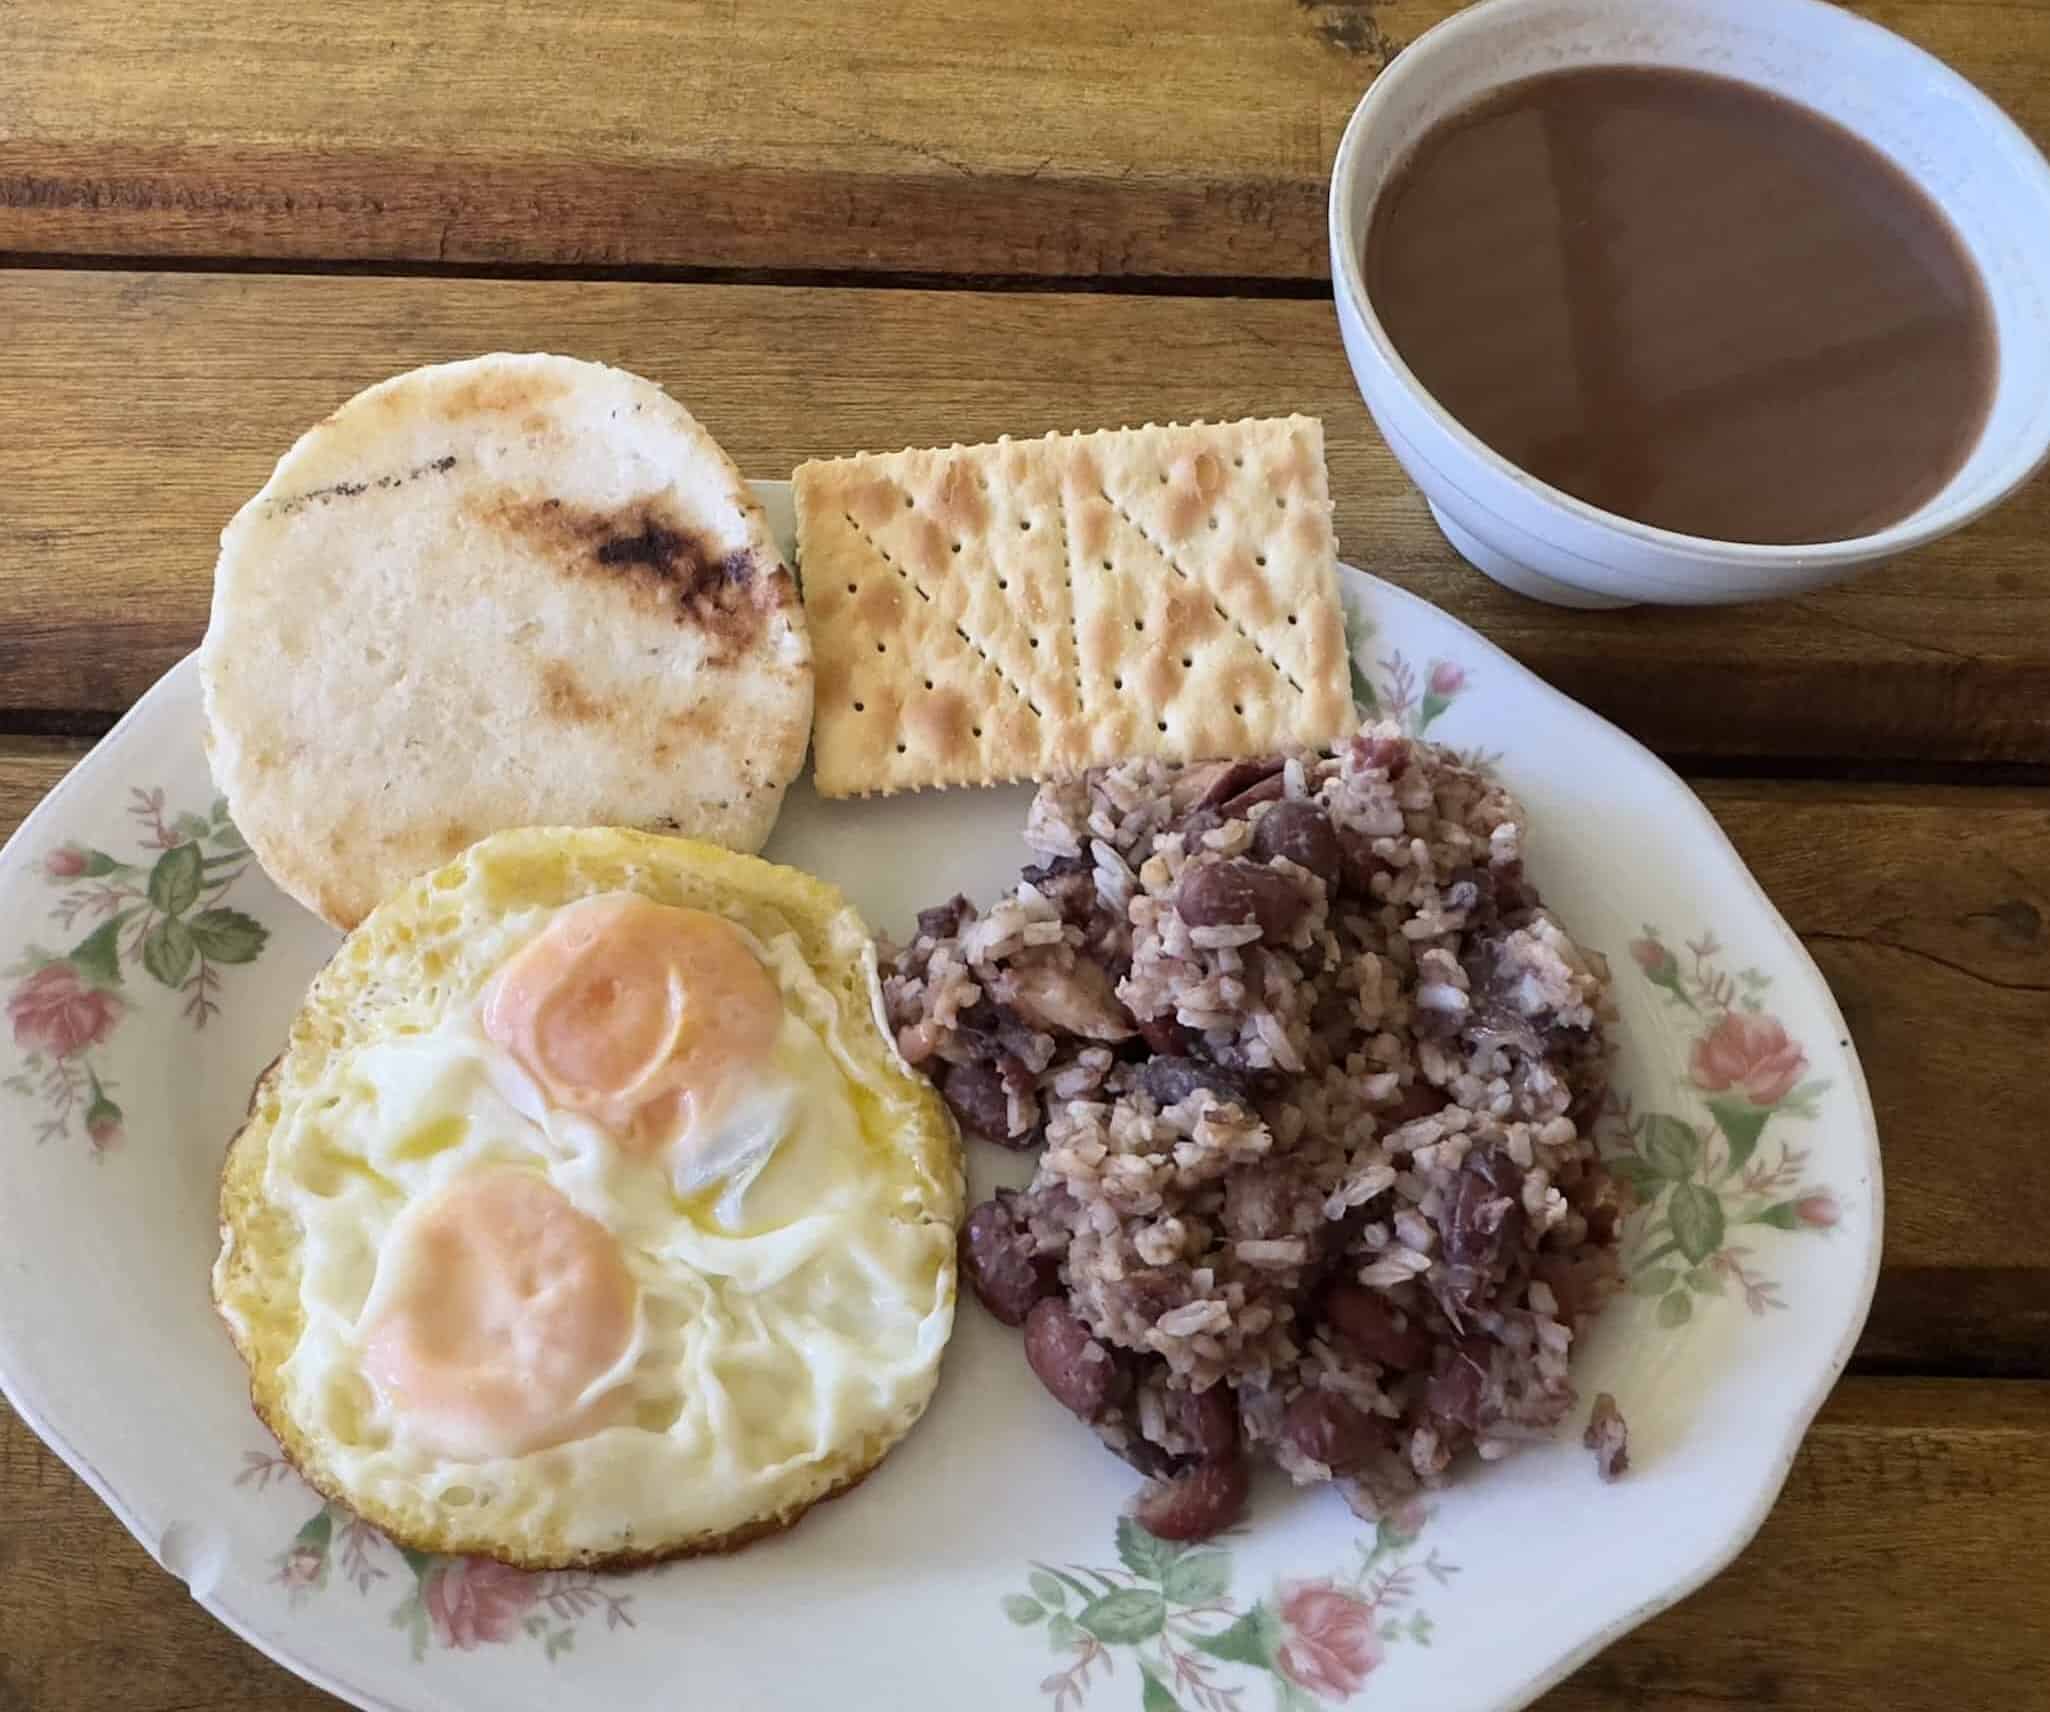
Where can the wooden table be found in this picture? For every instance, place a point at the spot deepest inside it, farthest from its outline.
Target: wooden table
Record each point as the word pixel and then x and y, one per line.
pixel 866 223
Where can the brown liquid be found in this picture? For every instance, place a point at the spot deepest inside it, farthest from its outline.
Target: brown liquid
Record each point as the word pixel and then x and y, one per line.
pixel 1686 301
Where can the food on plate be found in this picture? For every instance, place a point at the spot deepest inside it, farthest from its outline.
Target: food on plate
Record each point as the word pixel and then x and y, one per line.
pixel 1313 1072
pixel 518 590
pixel 590 1216
pixel 1033 608
pixel 1608 1436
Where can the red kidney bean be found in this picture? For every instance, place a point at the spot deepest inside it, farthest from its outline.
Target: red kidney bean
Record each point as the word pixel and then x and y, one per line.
pixel 1171 1080
pixel 1324 1427
pixel 1237 777
pixel 1302 833
pixel 1070 1363
pixel 1267 790
pixel 1230 893
pixel 1148 1458
pixel 976 1094
pixel 1357 862
pixel 1195 1505
pixel 1000 1264
pixel 1365 1320
pixel 1210 1418
pixel 1456 1389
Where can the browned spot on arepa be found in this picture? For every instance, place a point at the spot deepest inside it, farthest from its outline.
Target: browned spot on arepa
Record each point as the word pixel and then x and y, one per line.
pixel 644 547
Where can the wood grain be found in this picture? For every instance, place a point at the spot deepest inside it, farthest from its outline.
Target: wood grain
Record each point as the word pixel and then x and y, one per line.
pixel 1926 909
pixel 1901 1568
pixel 1135 145
pixel 1167 138
pixel 141 409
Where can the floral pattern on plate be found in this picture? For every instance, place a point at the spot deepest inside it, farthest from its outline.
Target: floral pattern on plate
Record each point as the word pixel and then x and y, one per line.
pixel 1698 1183
pixel 454 1603
pixel 1169 1609
pixel 163 913
pixel 923 1634
pixel 1391 686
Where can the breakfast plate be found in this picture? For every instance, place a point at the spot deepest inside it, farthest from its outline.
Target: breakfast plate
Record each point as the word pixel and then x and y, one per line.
pixel 150 971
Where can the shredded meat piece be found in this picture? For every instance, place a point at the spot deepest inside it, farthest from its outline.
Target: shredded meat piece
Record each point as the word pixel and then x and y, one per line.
pixel 1076 999
pixel 1315 1077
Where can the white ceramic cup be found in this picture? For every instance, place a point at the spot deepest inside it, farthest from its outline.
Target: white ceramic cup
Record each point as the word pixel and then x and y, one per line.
pixel 1964 153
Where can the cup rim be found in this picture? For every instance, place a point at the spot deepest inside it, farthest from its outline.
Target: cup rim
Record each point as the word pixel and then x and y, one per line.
pixel 1930 520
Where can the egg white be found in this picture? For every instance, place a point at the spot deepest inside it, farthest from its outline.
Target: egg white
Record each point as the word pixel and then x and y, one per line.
pixel 787 1299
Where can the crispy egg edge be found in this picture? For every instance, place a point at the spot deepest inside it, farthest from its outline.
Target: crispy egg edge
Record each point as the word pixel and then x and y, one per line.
pixel 260 1309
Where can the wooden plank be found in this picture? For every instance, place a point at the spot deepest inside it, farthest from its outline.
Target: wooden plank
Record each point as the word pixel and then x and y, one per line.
pixel 29 768
pixel 141 409
pixel 1856 1591
pixel 1155 137
pixel 1911 1503
pixel 1926 909
pixel 926 135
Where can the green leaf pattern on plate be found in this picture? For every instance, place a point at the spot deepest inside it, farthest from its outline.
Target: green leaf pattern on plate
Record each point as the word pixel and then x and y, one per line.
pixel 1170 1609
pixel 1707 1180
pixel 160 911
pixel 445 1603
pixel 1702 1175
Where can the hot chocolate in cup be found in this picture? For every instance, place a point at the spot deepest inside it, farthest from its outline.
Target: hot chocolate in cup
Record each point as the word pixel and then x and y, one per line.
pixel 1692 301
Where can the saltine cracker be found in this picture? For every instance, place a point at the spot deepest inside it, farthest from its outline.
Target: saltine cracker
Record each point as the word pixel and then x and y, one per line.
pixel 1030 609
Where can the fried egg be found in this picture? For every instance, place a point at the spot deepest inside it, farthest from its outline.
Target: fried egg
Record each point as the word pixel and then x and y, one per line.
pixel 590 1216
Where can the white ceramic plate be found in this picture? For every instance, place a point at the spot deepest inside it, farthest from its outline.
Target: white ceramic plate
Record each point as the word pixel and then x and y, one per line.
pixel 149 974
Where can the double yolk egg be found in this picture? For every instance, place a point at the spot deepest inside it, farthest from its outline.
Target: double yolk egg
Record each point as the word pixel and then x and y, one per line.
pixel 590 1231
pixel 499 1309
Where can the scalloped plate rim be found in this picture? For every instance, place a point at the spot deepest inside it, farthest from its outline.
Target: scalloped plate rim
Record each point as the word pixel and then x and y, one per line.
pixel 24 1395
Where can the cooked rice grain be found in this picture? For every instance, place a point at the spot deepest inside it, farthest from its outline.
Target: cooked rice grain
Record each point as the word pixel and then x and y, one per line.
pixel 1313 1071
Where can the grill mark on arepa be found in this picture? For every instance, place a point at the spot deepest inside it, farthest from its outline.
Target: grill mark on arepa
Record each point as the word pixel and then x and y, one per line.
pixel 351 489
pixel 654 554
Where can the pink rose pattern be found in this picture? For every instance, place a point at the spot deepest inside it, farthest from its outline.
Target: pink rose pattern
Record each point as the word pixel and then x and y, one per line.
pixel 1700 1188
pixel 449 1604
pixel 1329 1643
pixel 1414 700
pixel 1704 1188
pixel 1321 1640
pixel 1389 686
pixel 473 1602
pixel 1169 1609
pixel 54 1011
pixel 1819 1211
pixel 1748 1052
pixel 162 915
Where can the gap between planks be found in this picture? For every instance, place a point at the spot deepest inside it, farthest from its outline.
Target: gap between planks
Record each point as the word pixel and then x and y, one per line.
pixel 1291 289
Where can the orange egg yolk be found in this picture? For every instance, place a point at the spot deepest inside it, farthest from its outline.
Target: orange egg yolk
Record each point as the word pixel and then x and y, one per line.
pixel 498 1305
pixel 626 1011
